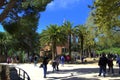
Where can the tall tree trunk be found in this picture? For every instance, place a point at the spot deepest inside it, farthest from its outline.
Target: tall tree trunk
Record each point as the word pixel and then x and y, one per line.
pixel 79 48
pixel 82 43
pixel 70 45
pixel 53 51
pixel 89 51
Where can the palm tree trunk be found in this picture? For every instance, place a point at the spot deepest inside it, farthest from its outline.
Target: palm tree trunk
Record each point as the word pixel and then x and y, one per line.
pixel 53 51
pixel 70 46
pixel 82 40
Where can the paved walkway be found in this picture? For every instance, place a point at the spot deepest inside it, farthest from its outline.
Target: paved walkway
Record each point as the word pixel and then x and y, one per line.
pixel 68 72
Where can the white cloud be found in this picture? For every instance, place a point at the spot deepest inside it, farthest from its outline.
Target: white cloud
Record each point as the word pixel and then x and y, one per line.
pixel 63 4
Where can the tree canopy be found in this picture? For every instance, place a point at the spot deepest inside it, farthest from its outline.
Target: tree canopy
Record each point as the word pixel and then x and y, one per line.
pixel 106 13
pixel 12 10
pixel 53 36
pixel 104 20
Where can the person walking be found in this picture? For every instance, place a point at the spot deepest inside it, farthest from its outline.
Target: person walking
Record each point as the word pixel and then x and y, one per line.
pixel 45 62
pixel 54 64
pixel 110 65
pixel 102 64
pixel 9 60
pixel 62 60
pixel 57 63
pixel 35 60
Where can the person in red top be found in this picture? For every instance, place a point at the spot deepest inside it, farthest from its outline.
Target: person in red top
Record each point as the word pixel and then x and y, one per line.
pixel 9 60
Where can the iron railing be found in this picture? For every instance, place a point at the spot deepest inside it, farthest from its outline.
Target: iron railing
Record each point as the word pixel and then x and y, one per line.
pixel 23 74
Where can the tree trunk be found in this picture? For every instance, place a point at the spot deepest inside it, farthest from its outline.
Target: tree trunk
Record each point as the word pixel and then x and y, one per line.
pixel 4 13
pixel 70 46
pixel 53 51
pixel 82 43
pixel 89 51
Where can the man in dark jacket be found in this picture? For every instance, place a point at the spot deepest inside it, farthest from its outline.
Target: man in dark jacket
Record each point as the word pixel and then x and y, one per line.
pixel 45 62
pixel 102 64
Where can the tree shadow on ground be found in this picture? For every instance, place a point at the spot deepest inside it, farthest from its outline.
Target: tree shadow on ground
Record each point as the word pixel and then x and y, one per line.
pixel 72 78
pixel 81 71
pixel 78 71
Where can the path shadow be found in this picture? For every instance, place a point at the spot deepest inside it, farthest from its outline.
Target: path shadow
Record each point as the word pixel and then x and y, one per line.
pixel 72 78
pixel 81 71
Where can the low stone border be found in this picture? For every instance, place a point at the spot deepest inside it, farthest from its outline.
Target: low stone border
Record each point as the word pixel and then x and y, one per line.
pixel 4 72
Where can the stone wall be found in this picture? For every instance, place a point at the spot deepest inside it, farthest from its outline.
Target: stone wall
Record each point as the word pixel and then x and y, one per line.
pixel 4 72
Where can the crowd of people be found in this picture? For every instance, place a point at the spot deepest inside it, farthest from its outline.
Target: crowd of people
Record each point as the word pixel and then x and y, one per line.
pixel 55 63
pixel 104 61
pixel 12 59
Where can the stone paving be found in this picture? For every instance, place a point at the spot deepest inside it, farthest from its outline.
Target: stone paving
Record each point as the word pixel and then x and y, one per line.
pixel 68 72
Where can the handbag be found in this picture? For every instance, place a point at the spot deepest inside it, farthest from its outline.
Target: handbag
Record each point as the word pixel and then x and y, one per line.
pixel 41 65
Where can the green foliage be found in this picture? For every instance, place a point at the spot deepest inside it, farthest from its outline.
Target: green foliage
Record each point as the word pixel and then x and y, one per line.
pixel 53 36
pixel 110 50
pixel 22 22
pixel 81 34
pixel 11 28
pixel 15 9
pixel 106 14
pixel 6 43
pixel 24 33
pixel 37 5
pixel 69 32
pixel 106 33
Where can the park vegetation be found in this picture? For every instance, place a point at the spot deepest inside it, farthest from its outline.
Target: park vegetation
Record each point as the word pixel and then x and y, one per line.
pixel 99 34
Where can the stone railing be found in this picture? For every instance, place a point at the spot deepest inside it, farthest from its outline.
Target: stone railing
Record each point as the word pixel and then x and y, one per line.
pixel 4 72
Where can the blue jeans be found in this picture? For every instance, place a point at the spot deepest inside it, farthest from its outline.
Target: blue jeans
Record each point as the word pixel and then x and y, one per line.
pixel 35 62
pixel 102 70
pixel 44 70
pixel 62 62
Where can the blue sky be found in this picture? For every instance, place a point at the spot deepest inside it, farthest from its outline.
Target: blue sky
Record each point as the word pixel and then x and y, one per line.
pixel 75 11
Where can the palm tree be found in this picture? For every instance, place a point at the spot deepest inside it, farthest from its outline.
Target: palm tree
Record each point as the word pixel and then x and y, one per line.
pixel 54 35
pixel 81 32
pixel 68 29
pixel 5 43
